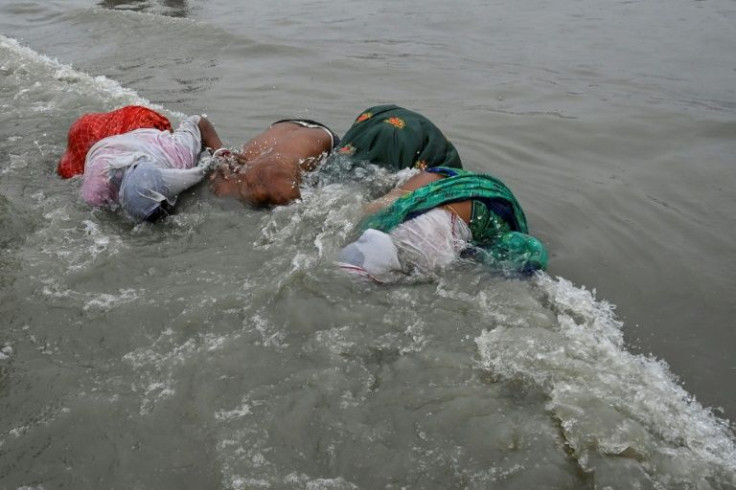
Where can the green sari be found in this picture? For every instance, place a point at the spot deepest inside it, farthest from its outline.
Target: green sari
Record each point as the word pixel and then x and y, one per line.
pixel 396 138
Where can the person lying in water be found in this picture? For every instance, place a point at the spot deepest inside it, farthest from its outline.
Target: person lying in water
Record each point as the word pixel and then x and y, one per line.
pixel 437 217
pixel 144 170
pixel 92 127
pixel 268 171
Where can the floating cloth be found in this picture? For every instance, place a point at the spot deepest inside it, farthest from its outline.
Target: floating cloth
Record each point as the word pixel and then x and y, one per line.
pixel 397 138
pixel 91 128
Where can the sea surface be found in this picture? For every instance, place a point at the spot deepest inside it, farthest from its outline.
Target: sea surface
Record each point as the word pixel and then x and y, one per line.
pixel 221 349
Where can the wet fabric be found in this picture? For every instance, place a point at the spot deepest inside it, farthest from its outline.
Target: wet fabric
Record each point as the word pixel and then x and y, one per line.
pixel 424 244
pixel 91 128
pixel 432 240
pixel 150 165
pixel 397 138
pixel 498 224
pixel 142 190
pixel 373 255
pixel 145 187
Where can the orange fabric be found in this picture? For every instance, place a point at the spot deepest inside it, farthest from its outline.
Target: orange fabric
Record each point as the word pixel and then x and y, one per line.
pixel 91 128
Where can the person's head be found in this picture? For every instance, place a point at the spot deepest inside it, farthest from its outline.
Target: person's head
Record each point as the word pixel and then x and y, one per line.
pixel 225 181
pixel 265 182
pixel 144 195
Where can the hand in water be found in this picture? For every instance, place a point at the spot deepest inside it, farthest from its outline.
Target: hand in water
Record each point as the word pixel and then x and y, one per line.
pixel 219 156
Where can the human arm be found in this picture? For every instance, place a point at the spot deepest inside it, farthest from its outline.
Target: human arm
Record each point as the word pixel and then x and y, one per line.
pixel 384 201
pixel 419 180
pixel 210 138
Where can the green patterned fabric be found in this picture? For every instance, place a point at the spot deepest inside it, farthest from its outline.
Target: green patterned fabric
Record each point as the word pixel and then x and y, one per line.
pixel 397 138
pixel 497 222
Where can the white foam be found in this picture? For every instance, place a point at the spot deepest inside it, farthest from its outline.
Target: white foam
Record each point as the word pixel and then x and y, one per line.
pixel 106 302
pixel 304 481
pixel 17 162
pixel 609 401
pixel 271 336
pixel 74 248
pixel 62 77
pixel 236 413
pixel 241 483
pixel 6 352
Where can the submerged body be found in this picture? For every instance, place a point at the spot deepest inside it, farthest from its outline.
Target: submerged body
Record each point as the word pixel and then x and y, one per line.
pixel 144 170
pixel 435 217
pixel 93 127
pixel 268 170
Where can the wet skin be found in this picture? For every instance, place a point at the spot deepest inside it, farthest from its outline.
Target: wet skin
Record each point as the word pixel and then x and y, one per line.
pixel 269 170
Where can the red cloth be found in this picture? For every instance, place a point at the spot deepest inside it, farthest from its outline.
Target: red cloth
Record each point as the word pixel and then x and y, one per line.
pixel 91 128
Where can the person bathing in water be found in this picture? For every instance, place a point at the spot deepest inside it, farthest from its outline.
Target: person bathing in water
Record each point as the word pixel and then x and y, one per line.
pixel 92 127
pixel 438 216
pixel 268 171
pixel 144 170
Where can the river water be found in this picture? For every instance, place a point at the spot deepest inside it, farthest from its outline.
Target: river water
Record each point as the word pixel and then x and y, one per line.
pixel 221 348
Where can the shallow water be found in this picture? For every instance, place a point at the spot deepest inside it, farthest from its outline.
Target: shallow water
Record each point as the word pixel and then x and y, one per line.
pixel 222 350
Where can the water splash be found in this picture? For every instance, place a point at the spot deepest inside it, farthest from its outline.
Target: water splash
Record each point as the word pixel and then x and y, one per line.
pixel 37 73
pixel 619 412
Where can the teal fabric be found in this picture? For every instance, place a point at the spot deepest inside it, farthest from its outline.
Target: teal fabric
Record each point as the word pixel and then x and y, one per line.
pixel 498 223
pixel 396 138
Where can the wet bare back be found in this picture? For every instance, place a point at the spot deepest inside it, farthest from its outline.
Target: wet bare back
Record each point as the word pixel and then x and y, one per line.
pixel 268 171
